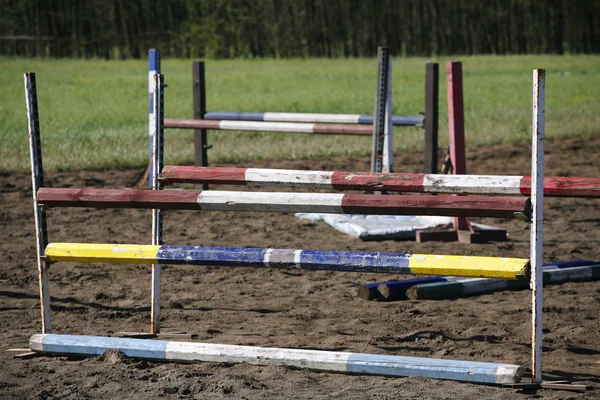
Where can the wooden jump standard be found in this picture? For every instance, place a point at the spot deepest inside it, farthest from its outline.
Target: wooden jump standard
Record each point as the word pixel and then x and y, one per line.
pixel 398 182
pixel 156 253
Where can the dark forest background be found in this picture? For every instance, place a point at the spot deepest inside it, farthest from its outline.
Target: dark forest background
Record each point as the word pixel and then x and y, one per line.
pixel 116 29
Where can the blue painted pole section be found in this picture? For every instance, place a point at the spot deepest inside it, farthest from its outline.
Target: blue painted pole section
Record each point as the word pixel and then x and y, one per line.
pixel 217 256
pixel 153 68
pixel 235 116
pixel 397 263
pixel 571 264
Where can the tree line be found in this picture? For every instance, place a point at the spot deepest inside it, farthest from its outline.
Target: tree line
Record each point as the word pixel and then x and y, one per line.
pixel 116 29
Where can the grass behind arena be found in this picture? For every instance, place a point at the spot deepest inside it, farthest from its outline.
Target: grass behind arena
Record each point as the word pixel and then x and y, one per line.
pixel 94 114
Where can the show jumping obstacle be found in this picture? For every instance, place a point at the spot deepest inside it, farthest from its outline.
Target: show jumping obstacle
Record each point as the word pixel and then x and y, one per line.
pixel 378 125
pixel 282 258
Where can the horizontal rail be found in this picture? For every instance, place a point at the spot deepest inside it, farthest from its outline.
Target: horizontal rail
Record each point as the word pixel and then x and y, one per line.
pixel 332 203
pixel 320 360
pixel 423 183
pixel 286 127
pixel 310 118
pixel 347 261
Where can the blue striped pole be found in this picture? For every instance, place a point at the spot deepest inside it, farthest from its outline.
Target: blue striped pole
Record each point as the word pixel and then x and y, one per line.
pixel 397 120
pixel 153 68
pixel 320 360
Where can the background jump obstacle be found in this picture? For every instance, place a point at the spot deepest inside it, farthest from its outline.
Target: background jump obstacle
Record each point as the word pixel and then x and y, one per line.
pixel 333 203
pixel 536 243
pixel 347 261
pixel 420 183
pixel 329 361
pixel 305 122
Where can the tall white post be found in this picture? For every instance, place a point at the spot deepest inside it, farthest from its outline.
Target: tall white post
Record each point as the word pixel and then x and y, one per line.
pixel 537 203
pixel 153 69
pixel 157 133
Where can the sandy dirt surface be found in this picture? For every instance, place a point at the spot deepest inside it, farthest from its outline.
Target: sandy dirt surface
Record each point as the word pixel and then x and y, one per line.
pixel 284 308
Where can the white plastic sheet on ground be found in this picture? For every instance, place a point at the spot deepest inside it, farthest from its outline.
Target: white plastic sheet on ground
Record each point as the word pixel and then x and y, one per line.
pixel 381 227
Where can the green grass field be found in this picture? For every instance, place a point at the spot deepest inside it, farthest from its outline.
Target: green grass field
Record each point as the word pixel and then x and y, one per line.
pixel 94 114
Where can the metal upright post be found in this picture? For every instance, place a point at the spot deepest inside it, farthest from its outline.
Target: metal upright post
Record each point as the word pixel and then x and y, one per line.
pixel 537 203
pixel 200 144
pixel 153 68
pixel 432 73
pixel 388 133
pixel 456 127
pixel 37 181
pixel 382 114
pixel 157 161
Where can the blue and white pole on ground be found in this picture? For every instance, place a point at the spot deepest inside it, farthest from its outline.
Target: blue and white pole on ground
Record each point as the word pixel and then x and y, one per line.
pixel 153 68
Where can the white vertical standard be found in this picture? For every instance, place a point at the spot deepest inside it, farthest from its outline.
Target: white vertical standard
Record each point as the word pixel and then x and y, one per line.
pixel 157 163
pixel 37 181
pixel 153 69
pixel 537 224
pixel 388 132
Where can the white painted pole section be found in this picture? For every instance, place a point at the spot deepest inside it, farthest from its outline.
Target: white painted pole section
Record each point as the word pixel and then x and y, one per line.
pixel 258 126
pixel 472 184
pixel 537 202
pixel 388 130
pixel 312 118
pixel 287 177
pixel 328 361
pixel 265 201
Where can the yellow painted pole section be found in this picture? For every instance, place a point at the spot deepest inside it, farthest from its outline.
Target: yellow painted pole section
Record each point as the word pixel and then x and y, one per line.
pixel 106 253
pixel 484 267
